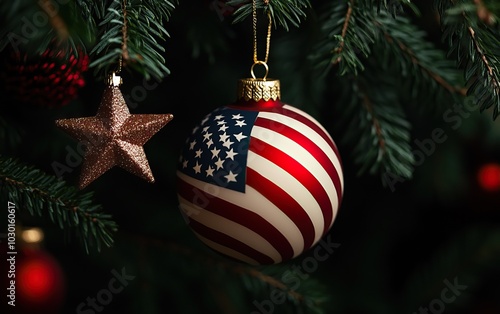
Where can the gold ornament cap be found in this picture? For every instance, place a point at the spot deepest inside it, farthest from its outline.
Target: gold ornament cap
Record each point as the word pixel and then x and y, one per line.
pixel 257 89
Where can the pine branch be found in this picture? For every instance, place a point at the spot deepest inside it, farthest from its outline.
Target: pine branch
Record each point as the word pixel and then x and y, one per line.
pixel 377 127
pixel 347 35
pixel 476 46
pixel 43 194
pixel 58 24
pixel 92 9
pixel 282 12
pixel 350 35
pixel 308 297
pixel 354 31
pixel 430 71
pixel 130 32
pixel 396 7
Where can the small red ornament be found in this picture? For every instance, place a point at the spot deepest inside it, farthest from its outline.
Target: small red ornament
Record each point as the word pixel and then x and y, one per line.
pixel 489 177
pixel 39 283
pixel 49 80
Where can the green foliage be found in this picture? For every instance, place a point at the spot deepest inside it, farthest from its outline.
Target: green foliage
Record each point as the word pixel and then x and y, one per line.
pixel 375 123
pixel 131 35
pixel 282 12
pixel 347 36
pixel 355 35
pixel 43 25
pixel 475 44
pixel 43 194
pixel 396 7
pixel 228 287
pixel 425 72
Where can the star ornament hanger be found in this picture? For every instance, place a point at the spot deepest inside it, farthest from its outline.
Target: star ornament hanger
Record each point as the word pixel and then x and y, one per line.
pixel 114 137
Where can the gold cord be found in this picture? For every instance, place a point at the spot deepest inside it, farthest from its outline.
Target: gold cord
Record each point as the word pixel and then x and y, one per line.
pixel 268 39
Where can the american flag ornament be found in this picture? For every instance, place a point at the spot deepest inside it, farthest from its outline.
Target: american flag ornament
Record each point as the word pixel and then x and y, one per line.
pixel 259 181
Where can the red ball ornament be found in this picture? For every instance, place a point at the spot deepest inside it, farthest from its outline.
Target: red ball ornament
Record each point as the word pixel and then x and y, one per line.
pixel 260 181
pixel 39 282
pixel 49 80
pixel 489 177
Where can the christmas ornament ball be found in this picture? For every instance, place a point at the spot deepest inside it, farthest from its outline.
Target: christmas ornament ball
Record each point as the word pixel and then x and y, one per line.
pixel 38 282
pixel 259 181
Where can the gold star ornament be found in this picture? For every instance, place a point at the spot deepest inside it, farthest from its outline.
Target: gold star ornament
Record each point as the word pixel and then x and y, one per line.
pixel 114 137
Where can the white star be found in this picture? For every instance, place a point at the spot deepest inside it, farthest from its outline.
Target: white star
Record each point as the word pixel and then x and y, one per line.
pixel 215 152
pixel 230 154
pixel 240 123
pixel 210 171
pixel 197 168
pixel 218 117
pixel 209 143
pixel 223 137
pixel 195 129
pixel 184 164
pixel 227 144
pixel 206 136
pixel 231 177
pixel 237 116
pixel 198 153
pixel 221 122
pixel 219 163
pixel 191 145
pixel 240 136
pixel 223 128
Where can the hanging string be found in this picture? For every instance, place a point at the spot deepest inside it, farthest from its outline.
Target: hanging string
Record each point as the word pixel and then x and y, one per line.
pixel 268 39
pixel 115 78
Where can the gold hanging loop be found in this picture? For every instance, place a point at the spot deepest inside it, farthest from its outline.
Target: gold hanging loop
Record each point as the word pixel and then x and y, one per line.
pixel 259 89
pixel 268 39
pixel 265 66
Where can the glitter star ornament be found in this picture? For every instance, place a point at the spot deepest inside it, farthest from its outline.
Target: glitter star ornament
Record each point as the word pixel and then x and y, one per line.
pixel 114 137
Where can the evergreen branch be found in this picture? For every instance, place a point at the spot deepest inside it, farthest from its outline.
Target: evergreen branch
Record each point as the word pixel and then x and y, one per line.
pixel 282 12
pixel 396 7
pixel 91 9
pixel 490 75
pixel 64 26
pixel 44 194
pixel 476 46
pixel 347 18
pixel 377 127
pixel 347 34
pixel 259 278
pixel 131 31
pixel 408 43
pixel 58 24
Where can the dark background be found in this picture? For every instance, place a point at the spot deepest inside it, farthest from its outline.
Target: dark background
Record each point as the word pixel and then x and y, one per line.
pixel 397 247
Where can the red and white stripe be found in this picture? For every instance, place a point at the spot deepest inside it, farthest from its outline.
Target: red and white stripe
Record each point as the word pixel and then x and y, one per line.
pixel 293 190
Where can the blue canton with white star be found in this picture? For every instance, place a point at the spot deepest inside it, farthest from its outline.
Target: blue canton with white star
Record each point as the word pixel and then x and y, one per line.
pixel 216 152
